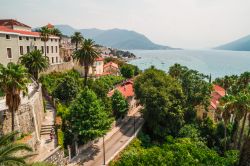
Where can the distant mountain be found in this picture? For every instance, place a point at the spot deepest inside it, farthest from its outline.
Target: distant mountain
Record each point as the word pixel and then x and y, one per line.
pixel 242 44
pixel 115 38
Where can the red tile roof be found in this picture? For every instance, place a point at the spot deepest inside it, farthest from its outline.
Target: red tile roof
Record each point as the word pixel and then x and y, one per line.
pixel 218 93
pixel 126 89
pixel 99 59
pixel 111 64
pixel 8 30
pixel 50 26
pixel 12 22
pixel 221 91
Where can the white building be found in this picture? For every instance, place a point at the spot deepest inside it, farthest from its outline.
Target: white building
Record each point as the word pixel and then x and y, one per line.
pixel 17 39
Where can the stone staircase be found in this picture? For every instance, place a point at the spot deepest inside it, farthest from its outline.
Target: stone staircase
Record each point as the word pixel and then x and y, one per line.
pixel 48 123
pixel 46 129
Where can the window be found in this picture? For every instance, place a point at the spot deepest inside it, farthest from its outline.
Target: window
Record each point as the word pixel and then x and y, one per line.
pixel 42 49
pixel 9 54
pixel 8 37
pixel 20 38
pixel 56 59
pixel 34 39
pixel 47 49
pixel 28 49
pixel 27 38
pixel 21 50
pixel 56 49
pixel 52 59
pixel 52 49
pixel 35 47
pixel 55 40
pixel 51 40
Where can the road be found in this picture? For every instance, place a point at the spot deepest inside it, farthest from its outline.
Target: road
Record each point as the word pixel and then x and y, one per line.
pixel 94 155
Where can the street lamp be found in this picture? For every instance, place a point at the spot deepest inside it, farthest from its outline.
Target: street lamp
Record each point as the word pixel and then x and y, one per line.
pixel 103 144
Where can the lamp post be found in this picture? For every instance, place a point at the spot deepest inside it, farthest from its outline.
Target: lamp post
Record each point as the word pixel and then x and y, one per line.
pixel 134 124
pixel 103 144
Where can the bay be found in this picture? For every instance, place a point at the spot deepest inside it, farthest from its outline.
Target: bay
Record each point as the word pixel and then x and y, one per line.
pixel 218 63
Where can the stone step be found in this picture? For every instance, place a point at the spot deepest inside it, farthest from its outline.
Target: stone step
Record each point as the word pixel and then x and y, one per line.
pixel 46 129
pixel 45 133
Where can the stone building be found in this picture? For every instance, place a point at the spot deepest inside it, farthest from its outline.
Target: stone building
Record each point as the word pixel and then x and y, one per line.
pixel 96 70
pixel 17 39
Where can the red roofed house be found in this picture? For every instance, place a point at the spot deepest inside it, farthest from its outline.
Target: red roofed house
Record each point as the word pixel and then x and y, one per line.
pixel 217 93
pixel 111 68
pixel 17 39
pixel 127 91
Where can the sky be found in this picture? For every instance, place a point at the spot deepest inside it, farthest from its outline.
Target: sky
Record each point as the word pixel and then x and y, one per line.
pixel 192 24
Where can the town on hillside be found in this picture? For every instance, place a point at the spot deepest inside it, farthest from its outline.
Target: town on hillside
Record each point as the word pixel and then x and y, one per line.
pixel 65 100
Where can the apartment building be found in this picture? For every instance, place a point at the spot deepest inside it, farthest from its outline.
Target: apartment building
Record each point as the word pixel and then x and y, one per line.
pixel 17 39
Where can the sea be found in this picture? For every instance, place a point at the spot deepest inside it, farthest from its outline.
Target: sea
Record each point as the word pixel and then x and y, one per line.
pixel 218 63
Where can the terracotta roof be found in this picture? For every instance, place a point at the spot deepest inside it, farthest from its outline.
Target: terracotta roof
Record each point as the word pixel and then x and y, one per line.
pixel 12 22
pixel 99 59
pixel 221 91
pixel 50 25
pixel 126 89
pixel 111 64
pixel 8 30
pixel 218 93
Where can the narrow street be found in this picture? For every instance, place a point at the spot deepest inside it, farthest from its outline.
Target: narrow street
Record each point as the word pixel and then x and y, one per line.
pixel 94 155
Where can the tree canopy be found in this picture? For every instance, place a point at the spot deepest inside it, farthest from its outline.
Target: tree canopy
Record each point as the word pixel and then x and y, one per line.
pixel 87 116
pixel 162 97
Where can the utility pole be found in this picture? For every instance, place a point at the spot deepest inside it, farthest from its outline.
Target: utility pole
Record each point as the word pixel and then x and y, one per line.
pixel 103 144
pixel 134 124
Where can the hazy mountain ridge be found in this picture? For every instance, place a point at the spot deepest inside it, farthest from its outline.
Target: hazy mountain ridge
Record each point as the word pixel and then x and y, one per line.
pixel 116 38
pixel 242 44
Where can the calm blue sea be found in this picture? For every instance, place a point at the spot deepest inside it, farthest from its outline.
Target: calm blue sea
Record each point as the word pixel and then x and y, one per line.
pixel 218 63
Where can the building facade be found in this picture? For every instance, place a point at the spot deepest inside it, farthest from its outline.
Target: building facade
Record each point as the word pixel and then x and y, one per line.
pixel 17 39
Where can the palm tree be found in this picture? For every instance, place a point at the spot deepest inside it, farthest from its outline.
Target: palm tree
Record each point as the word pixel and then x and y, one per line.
pixel 35 62
pixel 8 150
pixel 86 56
pixel 55 32
pixel 244 80
pixel 13 80
pixel 45 33
pixel 77 38
pixel 228 105
pixel 244 101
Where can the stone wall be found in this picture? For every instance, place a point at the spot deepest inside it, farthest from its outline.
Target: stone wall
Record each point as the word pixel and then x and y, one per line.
pixel 28 117
pixel 56 157
pixel 65 66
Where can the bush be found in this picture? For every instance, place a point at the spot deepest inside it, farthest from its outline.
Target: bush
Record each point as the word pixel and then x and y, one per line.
pixel 60 138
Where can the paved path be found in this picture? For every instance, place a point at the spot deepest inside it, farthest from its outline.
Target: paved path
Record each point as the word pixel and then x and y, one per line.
pixel 46 145
pixel 93 156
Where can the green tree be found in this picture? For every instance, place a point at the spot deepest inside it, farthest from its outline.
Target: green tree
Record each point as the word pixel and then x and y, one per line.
pixel 67 89
pixel 87 116
pixel 86 56
pixel 119 104
pixel 127 71
pixel 162 98
pixel 8 149
pixel 13 81
pixel 35 62
pixel 77 38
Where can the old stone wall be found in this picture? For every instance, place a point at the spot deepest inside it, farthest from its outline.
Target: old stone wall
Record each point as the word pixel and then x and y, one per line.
pixel 28 117
pixel 59 67
pixel 56 157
